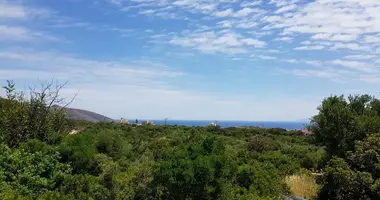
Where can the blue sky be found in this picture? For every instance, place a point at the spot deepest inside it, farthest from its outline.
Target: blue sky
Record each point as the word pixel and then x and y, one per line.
pixel 194 59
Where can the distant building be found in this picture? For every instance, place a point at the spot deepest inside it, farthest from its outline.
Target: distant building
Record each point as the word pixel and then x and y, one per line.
pixel 148 123
pixel 306 132
pixel 123 121
pixel 212 124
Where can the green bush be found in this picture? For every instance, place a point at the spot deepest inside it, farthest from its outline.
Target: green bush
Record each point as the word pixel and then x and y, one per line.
pixel 31 174
pixel 262 144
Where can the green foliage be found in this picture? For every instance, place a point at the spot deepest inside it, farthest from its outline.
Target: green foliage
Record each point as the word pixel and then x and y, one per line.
pixel 112 144
pixel 366 156
pixel 344 183
pixel 79 151
pixel 22 119
pixel 196 171
pixel 311 158
pixel 335 125
pixel 39 160
pixel 260 178
pixel 285 164
pixel 31 174
pixel 262 144
pixel 350 130
pixel 84 187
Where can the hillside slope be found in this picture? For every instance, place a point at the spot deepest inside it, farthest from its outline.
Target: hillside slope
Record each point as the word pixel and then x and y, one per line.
pixel 79 114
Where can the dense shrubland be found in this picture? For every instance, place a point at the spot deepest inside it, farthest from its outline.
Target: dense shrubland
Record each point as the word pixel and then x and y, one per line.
pixel 40 160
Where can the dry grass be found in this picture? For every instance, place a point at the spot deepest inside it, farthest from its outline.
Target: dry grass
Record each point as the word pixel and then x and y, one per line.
pixel 303 186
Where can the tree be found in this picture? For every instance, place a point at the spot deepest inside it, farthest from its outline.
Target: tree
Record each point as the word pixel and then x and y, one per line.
pixel 366 156
pixel 31 173
pixel 23 118
pixel 197 171
pixel 342 183
pixel 262 144
pixel 336 124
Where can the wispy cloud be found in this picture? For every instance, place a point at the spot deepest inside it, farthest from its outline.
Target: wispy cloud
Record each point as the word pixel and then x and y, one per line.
pixel 9 11
pixel 361 57
pixel 212 42
pixel 16 33
pixel 316 47
pixel 17 11
pixel 31 65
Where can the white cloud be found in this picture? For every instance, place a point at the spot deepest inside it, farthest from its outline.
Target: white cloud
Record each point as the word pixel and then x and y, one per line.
pixel 264 57
pixel 225 24
pixel 372 39
pixel 334 75
pixel 9 11
pixel 16 33
pixel 280 3
pixel 356 65
pixel 291 61
pixel 253 42
pixel 285 39
pixel 336 21
pixel 313 62
pixel 251 3
pixel 361 57
pixel 306 42
pixel 247 11
pixel 309 48
pixel 286 9
pixel 46 65
pixel 351 46
pixel 335 37
pixel 246 25
pixel 273 18
pixel 370 79
pixel 224 13
pixel 147 12
pixel 212 42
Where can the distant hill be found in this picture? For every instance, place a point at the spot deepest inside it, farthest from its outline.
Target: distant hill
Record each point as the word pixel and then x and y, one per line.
pixel 78 114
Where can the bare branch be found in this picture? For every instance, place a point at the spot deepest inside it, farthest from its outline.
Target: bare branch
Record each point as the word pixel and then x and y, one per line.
pixel 54 96
pixel 71 100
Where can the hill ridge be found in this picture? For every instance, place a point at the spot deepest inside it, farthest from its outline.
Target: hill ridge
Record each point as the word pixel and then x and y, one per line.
pixel 81 114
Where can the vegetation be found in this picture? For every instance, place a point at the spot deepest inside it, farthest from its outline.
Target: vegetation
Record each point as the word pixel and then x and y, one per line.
pixel 350 130
pixel 39 159
pixel 303 185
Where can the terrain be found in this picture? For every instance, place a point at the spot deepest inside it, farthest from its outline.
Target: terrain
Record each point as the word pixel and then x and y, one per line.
pixel 39 159
pixel 85 115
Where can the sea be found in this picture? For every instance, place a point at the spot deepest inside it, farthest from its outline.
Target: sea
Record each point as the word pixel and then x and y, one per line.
pixel 291 125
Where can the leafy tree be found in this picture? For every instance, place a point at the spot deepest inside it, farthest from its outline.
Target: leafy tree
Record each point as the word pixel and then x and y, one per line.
pixel 79 150
pixel 260 178
pixel 343 183
pixel 335 126
pixel 196 171
pixel 262 144
pixel 84 186
pixel 24 118
pixel 366 156
pixel 31 174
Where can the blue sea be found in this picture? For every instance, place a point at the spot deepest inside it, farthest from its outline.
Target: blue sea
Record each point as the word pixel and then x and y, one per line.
pixel 294 125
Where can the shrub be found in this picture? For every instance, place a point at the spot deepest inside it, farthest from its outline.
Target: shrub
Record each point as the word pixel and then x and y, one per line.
pixel 262 144
pixel 303 185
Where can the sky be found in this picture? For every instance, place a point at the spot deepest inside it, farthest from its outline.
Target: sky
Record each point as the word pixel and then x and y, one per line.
pixel 272 60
